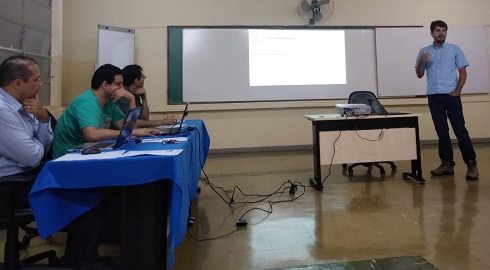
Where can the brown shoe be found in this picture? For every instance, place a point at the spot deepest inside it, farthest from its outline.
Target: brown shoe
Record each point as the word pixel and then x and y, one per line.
pixel 446 168
pixel 472 173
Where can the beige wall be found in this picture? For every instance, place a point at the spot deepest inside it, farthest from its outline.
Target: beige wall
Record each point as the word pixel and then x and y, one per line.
pixel 246 125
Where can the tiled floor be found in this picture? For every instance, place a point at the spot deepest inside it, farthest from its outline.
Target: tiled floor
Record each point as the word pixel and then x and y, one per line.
pixel 355 218
pixel 395 263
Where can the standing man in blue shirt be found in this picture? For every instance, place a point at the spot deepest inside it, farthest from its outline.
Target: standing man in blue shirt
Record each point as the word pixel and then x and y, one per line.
pixel 446 65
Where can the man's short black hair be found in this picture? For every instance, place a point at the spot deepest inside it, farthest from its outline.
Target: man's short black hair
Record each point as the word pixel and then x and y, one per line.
pixel 437 23
pixel 106 73
pixel 131 73
pixel 15 67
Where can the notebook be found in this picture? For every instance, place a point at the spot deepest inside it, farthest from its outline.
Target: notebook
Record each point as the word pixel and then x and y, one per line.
pixel 177 127
pixel 377 108
pixel 124 134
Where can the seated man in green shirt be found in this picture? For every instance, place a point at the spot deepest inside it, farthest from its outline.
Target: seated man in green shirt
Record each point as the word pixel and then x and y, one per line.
pixel 88 119
pixel 134 83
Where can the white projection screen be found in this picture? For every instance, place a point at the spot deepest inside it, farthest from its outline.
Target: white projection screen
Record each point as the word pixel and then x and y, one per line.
pixel 249 64
pixel 279 57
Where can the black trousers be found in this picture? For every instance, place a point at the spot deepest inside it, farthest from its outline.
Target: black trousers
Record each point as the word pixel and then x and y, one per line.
pixel 83 234
pixel 442 108
pixel 100 224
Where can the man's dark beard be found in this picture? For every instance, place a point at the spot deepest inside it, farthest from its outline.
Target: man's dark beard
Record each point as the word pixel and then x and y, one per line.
pixel 439 42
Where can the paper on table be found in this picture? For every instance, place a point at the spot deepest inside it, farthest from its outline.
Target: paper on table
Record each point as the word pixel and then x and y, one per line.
pixel 180 139
pixel 322 115
pixel 159 140
pixel 78 156
pixel 169 152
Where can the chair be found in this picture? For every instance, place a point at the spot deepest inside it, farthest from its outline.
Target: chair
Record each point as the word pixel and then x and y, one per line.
pixel 363 97
pixel 12 219
pixel 49 155
pixel 32 232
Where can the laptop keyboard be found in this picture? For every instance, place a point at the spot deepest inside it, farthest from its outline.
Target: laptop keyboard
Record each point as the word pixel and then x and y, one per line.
pixel 170 129
pixel 102 145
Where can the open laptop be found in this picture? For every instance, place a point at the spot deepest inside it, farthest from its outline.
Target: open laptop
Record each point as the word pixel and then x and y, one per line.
pixel 177 127
pixel 377 108
pixel 124 134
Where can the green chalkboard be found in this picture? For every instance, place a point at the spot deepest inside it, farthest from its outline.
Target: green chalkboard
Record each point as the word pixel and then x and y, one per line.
pixel 175 57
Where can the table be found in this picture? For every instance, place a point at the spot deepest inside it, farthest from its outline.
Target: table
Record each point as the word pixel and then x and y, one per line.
pixel 337 140
pixel 151 185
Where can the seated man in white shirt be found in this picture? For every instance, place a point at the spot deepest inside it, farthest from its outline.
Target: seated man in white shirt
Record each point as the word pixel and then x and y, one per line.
pixel 26 129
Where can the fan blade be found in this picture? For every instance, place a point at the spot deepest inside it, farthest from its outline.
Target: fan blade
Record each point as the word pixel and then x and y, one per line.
pixel 317 16
pixel 305 6
pixel 323 2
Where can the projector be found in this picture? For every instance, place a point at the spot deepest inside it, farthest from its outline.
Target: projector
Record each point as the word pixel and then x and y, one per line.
pixel 353 109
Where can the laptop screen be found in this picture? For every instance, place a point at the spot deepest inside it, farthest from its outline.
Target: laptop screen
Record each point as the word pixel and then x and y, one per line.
pixel 376 107
pixel 184 114
pixel 128 126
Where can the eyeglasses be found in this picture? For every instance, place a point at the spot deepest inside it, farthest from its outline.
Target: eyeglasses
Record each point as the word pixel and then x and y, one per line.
pixel 143 76
pixel 118 83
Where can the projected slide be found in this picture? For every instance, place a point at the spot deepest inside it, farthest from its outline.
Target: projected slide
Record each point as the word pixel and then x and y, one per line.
pixel 296 57
pixel 275 64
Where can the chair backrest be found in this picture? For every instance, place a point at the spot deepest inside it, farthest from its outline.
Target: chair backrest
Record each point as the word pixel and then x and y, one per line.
pixel 6 211
pixel 361 97
pixel 49 155
pixel 7 186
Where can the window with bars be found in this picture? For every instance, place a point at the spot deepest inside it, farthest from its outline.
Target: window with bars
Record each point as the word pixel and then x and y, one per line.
pixel 25 27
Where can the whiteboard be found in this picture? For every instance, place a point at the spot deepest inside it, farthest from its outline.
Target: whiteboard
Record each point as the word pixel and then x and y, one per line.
pixel 115 45
pixel 397 49
pixel 211 64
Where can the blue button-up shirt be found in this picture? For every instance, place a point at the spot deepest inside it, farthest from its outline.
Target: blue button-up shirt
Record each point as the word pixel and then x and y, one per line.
pixel 442 69
pixel 23 139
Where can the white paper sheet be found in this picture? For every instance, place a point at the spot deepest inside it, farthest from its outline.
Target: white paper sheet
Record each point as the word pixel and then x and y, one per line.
pixel 160 140
pixel 78 156
pixel 169 152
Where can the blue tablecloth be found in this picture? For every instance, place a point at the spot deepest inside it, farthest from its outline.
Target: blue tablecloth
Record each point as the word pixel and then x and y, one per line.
pixel 66 189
